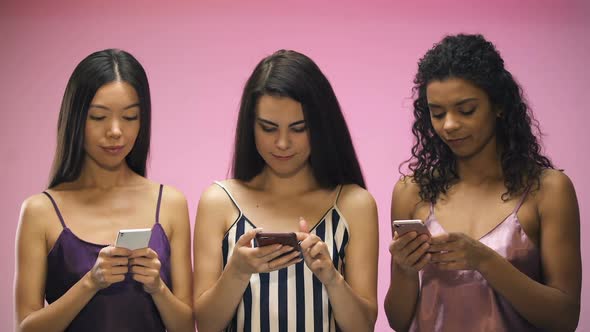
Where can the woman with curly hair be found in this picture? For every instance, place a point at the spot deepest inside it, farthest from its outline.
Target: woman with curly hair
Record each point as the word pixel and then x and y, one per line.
pixel 504 224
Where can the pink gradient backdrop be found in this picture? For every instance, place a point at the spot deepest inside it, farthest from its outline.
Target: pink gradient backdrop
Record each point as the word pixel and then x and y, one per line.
pixel 198 55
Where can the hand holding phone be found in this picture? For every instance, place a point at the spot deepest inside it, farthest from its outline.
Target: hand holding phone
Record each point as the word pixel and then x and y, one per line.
pixel 133 238
pixel 402 227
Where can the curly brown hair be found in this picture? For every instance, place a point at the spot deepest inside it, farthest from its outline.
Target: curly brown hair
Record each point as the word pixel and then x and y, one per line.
pixel 473 58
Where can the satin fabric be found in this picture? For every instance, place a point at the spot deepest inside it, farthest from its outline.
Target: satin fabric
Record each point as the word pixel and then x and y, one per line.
pixel 463 300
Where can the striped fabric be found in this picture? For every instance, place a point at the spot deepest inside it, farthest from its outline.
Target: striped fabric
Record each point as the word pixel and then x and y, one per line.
pixel 291 299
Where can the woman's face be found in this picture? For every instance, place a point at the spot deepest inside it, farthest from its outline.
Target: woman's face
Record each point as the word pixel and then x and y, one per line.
pixel 462 116
pixel 112 124
pixel 281 135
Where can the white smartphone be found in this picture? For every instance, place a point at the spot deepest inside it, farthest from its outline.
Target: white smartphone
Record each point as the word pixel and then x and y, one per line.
pixel 133 238
pixel 404 226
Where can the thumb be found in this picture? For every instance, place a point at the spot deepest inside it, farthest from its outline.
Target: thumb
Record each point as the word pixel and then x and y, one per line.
pixel 246 239
pixel 303 225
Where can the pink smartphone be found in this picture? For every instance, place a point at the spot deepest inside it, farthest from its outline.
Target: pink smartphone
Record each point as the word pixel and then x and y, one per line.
pixel 404 226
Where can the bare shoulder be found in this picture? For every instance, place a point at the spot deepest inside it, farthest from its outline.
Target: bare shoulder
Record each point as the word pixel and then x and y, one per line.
pixel 173 197
pixel 214 197
pixel 406 190
pixel 556 190
pixel 35 213
pixel 552 180
pixel 353 196
pixel 215 212
pixel 358 207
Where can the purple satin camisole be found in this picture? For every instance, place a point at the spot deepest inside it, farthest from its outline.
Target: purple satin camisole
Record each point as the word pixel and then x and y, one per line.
pixel 122 306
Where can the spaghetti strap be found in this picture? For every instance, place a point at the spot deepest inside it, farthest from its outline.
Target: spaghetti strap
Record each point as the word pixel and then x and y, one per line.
pixel 61 219
pixel 521 200
pixel 230 195
pixel 158 206
pixel 338 194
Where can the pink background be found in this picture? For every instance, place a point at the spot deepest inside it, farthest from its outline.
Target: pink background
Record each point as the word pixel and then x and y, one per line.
pixel 198 55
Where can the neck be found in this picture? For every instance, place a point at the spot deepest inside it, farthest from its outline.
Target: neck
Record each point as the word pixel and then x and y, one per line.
pixel 300 182
pixel 97 177
pixel 483 167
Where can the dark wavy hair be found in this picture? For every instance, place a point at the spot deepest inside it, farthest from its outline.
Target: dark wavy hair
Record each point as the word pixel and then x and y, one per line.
pixel 291 74
pixel 94 71
pixel 473 58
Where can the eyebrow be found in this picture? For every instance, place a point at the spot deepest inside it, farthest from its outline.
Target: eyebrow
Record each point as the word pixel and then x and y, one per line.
pixel 459 103
pixel 108 109
pixel 268 122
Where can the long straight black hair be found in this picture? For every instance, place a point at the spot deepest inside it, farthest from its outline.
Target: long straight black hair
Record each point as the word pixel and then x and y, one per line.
pixel 294 75
pixel 94 71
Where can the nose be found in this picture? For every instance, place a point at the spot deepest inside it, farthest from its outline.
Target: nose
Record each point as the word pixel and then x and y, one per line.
pixel 114 130
pixel 451 122
pixel 283 141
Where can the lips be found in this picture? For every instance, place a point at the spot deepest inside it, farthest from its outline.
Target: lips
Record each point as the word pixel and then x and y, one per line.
pixel 282 157
pixel 456 141
pixel 114 150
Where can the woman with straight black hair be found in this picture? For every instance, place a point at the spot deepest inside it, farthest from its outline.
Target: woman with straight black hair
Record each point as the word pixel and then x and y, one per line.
pixel 505 248
pixel 65 253
pixel 294 162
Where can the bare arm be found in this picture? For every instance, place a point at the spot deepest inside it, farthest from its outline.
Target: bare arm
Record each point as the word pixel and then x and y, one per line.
pixel 175 306
pixel 402 295
pixel 354 296
pixel 31 270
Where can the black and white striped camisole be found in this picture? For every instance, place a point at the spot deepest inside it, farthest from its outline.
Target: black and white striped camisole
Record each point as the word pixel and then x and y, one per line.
pixel 291 299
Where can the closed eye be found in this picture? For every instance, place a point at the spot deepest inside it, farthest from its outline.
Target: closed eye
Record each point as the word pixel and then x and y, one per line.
pixel 131 118
pixel 437 115
pixel 469 112
pixel 268 129
pixel 300 129
pixel 96 118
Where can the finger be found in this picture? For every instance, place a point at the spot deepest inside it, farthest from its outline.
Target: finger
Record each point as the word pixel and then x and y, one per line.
pixel 417 254
pixel 246 239
pixel 117 261
pixel 115 278
pixel 281 262
pixel 153 263
pixel 422 262
pixel 447 257
pixel 144 252
pixel 120 270
pixel 403 240
pixel 413 246
pixel 447 246
pixel 442 238
pixel 144 271
pixel 318 249
pixel 114 251
pixel 309 242
pixel 261 252
pixel 301 236
pixel 142 278
pixel 303 225
pixel 283 250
